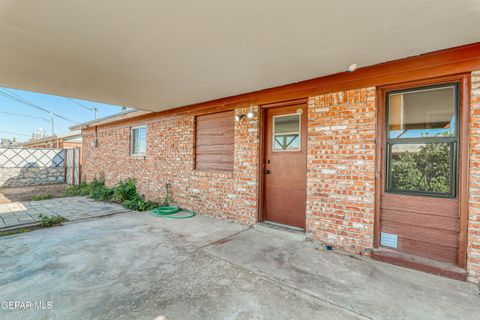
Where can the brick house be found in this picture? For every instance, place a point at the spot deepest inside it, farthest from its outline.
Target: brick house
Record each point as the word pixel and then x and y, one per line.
pixel 382 161
pixel 68 140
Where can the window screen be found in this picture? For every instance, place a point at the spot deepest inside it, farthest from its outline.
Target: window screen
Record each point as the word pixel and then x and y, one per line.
pixel 139 140
pixel 214 143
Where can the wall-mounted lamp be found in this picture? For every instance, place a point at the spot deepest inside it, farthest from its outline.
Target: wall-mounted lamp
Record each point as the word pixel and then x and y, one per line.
pixel 249 115
pixel 239 117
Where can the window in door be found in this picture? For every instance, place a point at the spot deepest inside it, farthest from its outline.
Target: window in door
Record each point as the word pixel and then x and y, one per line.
pixel 422 140
pixel 286 132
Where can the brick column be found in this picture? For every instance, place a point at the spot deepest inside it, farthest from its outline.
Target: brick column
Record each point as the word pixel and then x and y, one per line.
pixel 341 169
pixel 473 250
pixel 246 167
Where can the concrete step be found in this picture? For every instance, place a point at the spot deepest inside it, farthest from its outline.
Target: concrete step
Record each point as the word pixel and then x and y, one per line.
pixel 440 268
pixel 280 230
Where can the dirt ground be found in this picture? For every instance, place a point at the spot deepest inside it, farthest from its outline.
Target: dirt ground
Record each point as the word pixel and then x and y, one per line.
pixel 8 195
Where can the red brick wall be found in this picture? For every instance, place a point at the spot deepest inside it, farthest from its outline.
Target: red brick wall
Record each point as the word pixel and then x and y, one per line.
pixel 473 251
pixel 341 169
pixel 169 158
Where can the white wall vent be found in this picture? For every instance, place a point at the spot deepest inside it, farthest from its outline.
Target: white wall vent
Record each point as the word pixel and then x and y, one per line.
pixel 388 240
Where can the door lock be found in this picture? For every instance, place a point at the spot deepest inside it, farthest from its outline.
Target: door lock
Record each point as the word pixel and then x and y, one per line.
pixel 267 171
pixel 268 161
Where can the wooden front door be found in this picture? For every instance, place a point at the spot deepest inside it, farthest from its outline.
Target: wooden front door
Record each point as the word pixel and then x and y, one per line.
pixel 285 165
pixel 419 196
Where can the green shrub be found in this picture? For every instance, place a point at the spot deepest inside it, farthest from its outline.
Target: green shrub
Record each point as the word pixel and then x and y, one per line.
pixel 39 197
pixel 51 221
pixel 82 189
pixel 124 191
pixel 139 204
pixel 100 192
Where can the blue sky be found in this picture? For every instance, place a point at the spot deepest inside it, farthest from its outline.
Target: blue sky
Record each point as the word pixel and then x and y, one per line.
pixel 22 127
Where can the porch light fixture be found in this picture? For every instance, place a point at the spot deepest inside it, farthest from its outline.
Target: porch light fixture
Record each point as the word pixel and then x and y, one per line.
pixel 239 117
pixel 250 113
pixel 352 67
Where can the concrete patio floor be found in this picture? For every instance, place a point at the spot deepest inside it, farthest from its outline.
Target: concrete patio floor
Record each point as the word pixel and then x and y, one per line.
pixel 16 215
pixel 136 266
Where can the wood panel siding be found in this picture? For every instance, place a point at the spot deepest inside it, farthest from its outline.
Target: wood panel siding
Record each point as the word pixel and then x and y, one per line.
pixel 426 226
pixel 419 248
pixel 214 142
pixel 442 207
pixel 415 219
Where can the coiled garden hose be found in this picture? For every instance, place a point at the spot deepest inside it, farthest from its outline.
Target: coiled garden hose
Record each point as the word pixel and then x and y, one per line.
pixel 170 211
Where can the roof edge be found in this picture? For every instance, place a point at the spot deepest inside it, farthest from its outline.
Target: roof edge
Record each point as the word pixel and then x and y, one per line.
pixel 114 117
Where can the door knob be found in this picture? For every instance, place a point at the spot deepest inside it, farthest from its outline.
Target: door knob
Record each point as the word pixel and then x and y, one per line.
pixel 267 171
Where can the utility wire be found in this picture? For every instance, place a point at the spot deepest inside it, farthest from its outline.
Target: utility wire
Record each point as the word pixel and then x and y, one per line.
pixel 82 105
pixel 18 98
pixel 94 109
pixel 23 115
pixel 29 116
pixel 15 133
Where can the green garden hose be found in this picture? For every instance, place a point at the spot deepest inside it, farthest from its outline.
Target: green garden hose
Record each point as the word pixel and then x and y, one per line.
pixel 170 211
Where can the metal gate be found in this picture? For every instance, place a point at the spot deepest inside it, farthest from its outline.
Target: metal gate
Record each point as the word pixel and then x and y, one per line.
pixel 72 166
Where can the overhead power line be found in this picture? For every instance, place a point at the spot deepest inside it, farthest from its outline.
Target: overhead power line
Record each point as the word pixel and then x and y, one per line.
pixel 15 133
pixel 81 105
pixel 23 115
pixel 18 98
pixel 30 116
pixel 94 109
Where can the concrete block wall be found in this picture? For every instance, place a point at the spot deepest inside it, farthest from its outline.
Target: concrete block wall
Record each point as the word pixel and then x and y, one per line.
pixel 21 167
pixel 22 177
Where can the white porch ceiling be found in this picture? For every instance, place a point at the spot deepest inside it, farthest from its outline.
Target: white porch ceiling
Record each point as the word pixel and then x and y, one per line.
pixel 160 54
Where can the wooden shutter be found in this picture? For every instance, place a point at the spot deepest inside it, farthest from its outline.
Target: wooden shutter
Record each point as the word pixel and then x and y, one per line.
pixel 215 141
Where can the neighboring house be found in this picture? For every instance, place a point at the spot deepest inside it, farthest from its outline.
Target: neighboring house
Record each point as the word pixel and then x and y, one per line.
pixel 5 142
pixel 69 140
pixel 382 161
pixel 38 134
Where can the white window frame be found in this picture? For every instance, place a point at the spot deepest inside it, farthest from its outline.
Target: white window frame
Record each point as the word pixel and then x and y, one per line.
pixel 284 133
pixel 132 142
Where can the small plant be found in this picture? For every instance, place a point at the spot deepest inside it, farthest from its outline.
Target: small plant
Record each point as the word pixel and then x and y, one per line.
pixel 168 196
pixel 124 191
pixel 138 203
pixel 82 189
pixel 100 192
pixel 49 221
pixel 39 197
